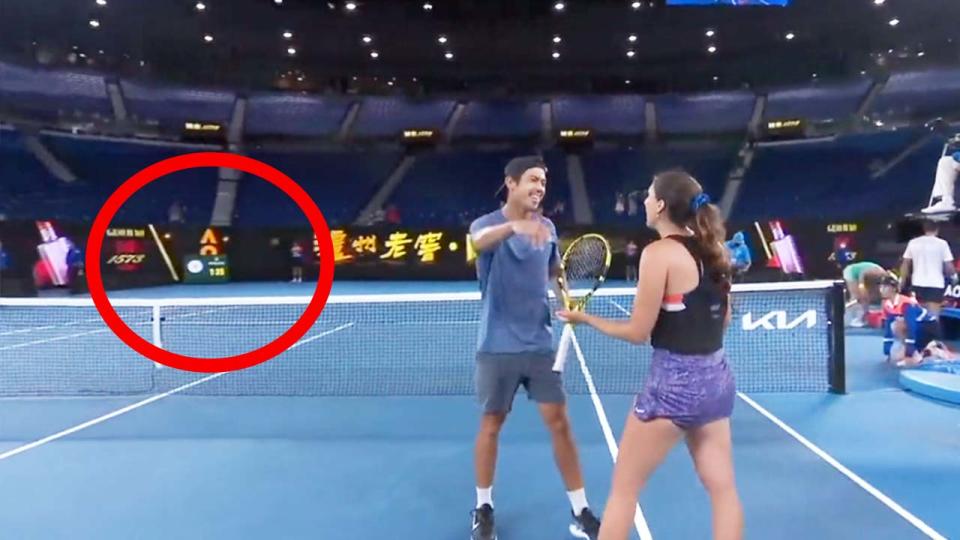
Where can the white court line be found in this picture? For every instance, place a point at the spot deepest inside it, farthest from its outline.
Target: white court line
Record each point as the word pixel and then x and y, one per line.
pixel 50 340
pixel 890 503
pixel 639 522
pixel 149 400
pixel 621 308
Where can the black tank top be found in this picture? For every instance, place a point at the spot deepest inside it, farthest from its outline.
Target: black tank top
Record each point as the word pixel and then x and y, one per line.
pixel 692 323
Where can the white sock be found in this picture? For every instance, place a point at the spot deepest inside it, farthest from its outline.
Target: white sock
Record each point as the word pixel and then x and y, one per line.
pixel 578 500
pixel 485 496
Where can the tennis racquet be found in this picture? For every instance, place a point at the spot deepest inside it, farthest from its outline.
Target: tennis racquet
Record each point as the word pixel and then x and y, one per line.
pixel 583 268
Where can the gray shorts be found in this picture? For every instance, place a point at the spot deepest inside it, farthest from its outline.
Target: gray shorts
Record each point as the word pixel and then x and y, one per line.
pixel 499 376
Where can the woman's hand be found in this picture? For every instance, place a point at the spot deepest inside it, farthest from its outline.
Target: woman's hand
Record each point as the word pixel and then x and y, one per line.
pixel 575 317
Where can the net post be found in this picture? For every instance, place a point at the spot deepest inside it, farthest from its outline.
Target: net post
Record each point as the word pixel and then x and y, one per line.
pixel 837 365
pixel 157 340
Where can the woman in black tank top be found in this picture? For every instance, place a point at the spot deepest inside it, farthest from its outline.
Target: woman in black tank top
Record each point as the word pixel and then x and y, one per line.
pixel 690 388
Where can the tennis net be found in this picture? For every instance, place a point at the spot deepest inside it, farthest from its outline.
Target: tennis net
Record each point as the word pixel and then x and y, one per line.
pixel 784 337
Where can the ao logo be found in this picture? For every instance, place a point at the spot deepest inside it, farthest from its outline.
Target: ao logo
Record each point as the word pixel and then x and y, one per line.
pixel 195 267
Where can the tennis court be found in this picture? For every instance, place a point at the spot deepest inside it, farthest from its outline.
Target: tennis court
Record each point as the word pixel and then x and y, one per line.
pixel 365 428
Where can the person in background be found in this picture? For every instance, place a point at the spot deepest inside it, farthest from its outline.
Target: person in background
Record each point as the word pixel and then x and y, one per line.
pixel 632 256
pixel 739 255
pixel 927 264
pixel 296 262
pixel 862 278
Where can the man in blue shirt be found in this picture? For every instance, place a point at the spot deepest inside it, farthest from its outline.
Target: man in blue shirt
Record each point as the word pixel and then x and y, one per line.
pixel 739 254
pixel 518 260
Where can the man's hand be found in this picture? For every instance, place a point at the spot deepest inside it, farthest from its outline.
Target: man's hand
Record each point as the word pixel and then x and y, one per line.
pixel 534 229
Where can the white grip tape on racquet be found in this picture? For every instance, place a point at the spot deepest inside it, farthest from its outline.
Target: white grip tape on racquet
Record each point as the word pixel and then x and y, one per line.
pixel 564 348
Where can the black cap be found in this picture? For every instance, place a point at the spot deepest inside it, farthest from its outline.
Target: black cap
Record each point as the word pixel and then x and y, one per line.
pixel 520 165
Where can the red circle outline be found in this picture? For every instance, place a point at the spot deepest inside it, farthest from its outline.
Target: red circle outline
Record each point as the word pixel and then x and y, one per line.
pixel 190 161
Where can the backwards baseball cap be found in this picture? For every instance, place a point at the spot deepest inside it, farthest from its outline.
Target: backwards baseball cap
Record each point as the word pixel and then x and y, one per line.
pixel 519 165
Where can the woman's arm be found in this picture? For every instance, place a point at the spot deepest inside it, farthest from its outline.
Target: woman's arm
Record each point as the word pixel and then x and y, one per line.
pixel 651 284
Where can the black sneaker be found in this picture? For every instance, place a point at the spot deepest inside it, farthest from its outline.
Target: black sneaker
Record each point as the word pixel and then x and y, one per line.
pixel 483 528
pixel 586 525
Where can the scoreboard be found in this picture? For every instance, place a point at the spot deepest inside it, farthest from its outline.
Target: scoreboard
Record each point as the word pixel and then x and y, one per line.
pixel 206 269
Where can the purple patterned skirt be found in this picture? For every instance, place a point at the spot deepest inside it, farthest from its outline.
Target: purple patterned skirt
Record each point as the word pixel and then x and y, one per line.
pixel 690 390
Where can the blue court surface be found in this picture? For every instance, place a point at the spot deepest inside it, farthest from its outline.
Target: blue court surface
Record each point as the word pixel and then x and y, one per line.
pixel 246 460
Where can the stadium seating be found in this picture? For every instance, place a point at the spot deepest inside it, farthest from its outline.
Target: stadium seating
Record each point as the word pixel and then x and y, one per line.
pixel 832 178
pixel 340 183
pixel 52 95
pixel 609 172
pixel 453 188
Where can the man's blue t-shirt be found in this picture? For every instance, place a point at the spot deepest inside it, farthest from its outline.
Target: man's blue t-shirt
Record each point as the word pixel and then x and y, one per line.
pixel 514 279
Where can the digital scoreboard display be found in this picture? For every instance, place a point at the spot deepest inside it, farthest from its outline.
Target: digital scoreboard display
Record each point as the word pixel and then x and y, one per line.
pixel 206 269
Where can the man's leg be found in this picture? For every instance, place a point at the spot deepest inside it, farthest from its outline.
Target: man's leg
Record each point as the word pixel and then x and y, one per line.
pixel 941 198
pixel 485 455
pixel 546 387
pixel 497 379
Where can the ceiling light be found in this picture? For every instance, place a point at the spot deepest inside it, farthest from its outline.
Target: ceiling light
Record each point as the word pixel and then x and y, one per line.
pixel 427 6
pixel 557 39
pixel 374 55
pixel 292 51
pixel 201 6
pixel 389 83
pixel 278 2
pixel 101 2
pixel 208 38
pixel 790 36
pixel 814 75
pixel 559 6
pixel 448 55
pixel 367 39
pixel 878 123
pixel 712 49
pixel 83 55
pixel 879 2
pixel 288 35
pixel 894 21
pixel 716 78
pixel 635 5
pixel 711 33
pixel 627 81
pixel 631 53
pixel 921 53
pixel 556 55
pixel 350 6
pixel 632 38
pixel 94 23
pixel 442 39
